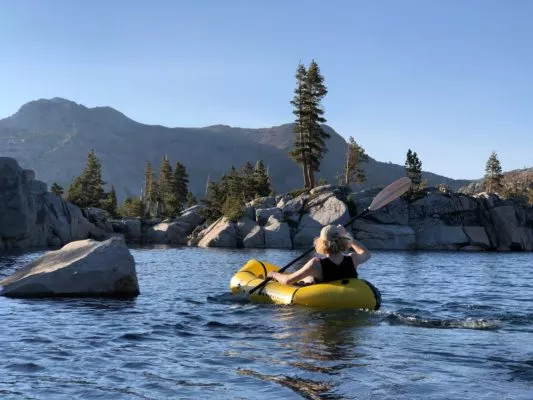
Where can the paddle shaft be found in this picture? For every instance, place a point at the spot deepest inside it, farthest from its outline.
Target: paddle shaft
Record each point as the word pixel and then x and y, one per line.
pixel 262 284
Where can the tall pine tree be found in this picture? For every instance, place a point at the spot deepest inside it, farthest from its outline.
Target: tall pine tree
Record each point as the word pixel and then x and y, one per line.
pixel 493 174
pixel 300 110
pixel 310 137
pixel 150 198
pixel 316 91
pixel 180 181
pixel 355 157
pixel 169 204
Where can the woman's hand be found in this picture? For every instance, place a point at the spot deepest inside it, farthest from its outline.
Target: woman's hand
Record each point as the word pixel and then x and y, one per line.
pixel 345 233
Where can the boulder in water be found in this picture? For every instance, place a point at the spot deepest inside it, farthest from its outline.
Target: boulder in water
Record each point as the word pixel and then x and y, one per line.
pixel 81 268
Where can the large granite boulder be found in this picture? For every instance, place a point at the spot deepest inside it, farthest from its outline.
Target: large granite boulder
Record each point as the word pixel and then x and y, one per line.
pixel 277 235
pixel 509 225
pixel 434 235
pixel 221 233
pixel 327 209
pixel 100 218
pixel 394 213
pixel 81 268
pixel 168 233
pixel 324 209
pixel 192 216
pixel 131 228
pixel 478 236
pixel 263 214
pixel 255 238
pixel 292 208
pixel 385 236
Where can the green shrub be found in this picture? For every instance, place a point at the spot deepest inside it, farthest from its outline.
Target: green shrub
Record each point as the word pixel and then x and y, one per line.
pixel 233 208
pixel 298 192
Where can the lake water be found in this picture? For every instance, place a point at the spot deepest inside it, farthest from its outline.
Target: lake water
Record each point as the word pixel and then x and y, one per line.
pixel 452 326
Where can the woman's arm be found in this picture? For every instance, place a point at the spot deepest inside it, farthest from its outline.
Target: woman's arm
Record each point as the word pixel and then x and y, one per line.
pixel 288 279
pixel 361 253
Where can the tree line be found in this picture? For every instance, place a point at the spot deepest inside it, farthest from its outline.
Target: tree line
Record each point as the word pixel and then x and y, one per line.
pixel 235 189
pixel 163 196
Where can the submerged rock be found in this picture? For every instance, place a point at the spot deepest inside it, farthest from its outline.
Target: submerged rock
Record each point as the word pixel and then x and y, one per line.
pixel 81 268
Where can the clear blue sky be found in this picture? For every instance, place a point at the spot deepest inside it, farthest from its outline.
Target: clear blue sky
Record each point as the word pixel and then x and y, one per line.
pixel 451 79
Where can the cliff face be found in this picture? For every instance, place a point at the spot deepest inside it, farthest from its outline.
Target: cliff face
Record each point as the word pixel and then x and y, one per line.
pixel 449 222
pixel 30 216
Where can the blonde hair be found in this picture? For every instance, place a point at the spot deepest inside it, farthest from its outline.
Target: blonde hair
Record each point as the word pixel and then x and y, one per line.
pixel 330 241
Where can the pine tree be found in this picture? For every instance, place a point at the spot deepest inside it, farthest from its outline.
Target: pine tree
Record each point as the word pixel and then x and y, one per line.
pixel 109 204
pixel 316 91
pixel 262 180
pixel 355 157
pixel 75 193
pixel 148 196
pixel 493 174
pixel 92 176
pixel 310 141
pixel 154 208
pixel 213 202
pixel 231 184
pixel 57 189
pixel 413 169
pixel 87 189
pixel 191 200
pixel 180 181
pixel 168 201
pixel 299 151
pixel 132 207
pixel 248 181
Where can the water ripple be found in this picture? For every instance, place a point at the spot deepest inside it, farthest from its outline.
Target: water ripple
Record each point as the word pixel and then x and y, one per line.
pixel 442 332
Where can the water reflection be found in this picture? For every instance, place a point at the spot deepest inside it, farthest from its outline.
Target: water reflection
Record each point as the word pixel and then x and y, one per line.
pixel 326 335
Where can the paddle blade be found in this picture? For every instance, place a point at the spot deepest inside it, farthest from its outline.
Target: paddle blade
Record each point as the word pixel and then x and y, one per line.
pixel 390 193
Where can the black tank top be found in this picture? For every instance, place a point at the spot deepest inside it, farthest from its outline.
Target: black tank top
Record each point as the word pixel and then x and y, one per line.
pixel 333 272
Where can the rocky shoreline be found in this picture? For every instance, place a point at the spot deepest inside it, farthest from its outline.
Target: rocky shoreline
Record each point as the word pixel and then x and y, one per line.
pixel 31 217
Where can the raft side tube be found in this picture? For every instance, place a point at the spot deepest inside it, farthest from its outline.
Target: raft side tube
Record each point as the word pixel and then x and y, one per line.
pixel 346 293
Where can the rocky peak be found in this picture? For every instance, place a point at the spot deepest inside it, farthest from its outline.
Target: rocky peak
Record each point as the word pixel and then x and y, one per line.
pixel 58 114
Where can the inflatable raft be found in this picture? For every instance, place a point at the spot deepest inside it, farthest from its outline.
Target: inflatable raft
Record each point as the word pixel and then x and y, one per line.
pixel 346 293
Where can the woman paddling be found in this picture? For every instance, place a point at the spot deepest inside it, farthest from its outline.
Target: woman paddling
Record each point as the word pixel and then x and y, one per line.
pixel 332 242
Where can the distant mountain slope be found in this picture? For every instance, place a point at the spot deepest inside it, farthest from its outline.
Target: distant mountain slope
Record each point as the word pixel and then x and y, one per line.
pixel 514 178
pixel 53 138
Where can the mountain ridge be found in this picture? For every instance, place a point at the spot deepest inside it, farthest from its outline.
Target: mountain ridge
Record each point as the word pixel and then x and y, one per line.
pixel 53 136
